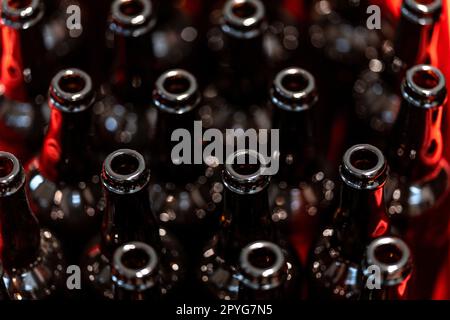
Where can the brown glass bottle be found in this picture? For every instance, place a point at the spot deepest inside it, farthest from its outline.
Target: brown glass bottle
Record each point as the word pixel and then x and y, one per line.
pixel 122 117
pixel 137 273
pixel 302 192
pixel 63 185
pixel 392 259
pixel 26 251
pixel 128 217
pixel 336 259
pixel 23 80
pixel 376 92
pixel 185 196
pixel 245 218
pixel 418 183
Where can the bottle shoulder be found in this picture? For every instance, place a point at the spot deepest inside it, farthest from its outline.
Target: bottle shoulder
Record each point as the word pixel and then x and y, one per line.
pixel 49 268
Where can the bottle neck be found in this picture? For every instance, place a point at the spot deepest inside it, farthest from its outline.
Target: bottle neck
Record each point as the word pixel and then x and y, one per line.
pixel 134 62
pixel 415 31
pixel 176 97
pixel 360 218
pixel 417 146
pixel 128 214
pixel 293 97
pixel 65 151
pixel 22 41
pixel 418 143
pixel 246 215
pixel 243 26
pixel 361 215
pixel 19 228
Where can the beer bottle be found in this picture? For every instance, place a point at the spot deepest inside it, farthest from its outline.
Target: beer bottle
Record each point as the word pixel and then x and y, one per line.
pixel 336 259
pixel 62 180
pixel 128 217
pixel 26 251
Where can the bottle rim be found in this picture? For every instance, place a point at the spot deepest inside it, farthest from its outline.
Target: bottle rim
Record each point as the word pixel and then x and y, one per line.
pixel 256 277
pixel 13 179
pixel 302 98
pixel 22 17
pixel 134 278
pixel 363 167
pixel 395 271
pixel 135 177
pixel 245 183
pixel 71 90
pixel 422 13
pixel 177 101
pixel 134 24
pixel 430 95
pixel 248 26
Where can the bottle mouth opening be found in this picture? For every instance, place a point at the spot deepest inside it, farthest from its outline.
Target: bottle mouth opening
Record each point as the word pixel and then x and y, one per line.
pixel 124 171
pixel 392 255
pixel 294 89
pixel 294 82
pixel 424 86
pixel 426 79
pixel 72 83
pixel 135 260
pixel 364 167
pixel 364 159
pixel 243 18
pixel 124 164
pixel 11 174
pixel 261 258
pixel 388 253
pixel 176 91
pixel 132 17
pixel 244 9
pixel 71 90
pixel 250 166
pixel 131 8
pixel 18 4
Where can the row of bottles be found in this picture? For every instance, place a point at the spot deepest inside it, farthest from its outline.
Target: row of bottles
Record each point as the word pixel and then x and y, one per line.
pixel 99 173
pixel 134 258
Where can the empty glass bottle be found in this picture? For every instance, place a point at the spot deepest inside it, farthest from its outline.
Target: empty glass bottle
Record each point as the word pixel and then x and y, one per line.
pixel 186 193
pixel 336 259
pixel 128 217
pixel 418 182
pixel 245 219
pixel 302 192
pixel 137 273
pixel 387 268
pixel 63 185
pixel 32 258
